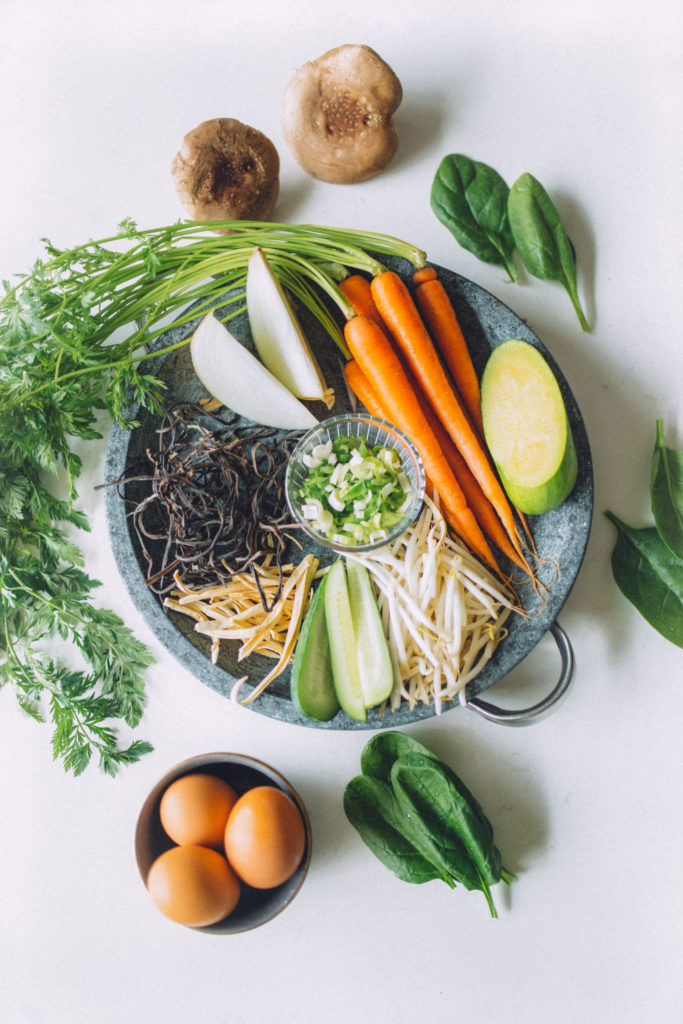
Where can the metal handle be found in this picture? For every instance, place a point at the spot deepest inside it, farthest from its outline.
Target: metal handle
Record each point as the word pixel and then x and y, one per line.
pixel 526 715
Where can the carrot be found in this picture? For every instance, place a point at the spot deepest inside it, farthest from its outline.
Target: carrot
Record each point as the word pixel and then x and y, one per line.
pixel 481 507
pixel 360 385
pixel 442 323
pixel 357 290
pixel 475 497
pixel 359 293
pixel 375 356
pixel 423 274
pixel 437 310
pixel 402 317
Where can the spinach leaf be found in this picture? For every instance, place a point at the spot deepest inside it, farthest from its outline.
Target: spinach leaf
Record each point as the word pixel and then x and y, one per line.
pixel 473 826
pixel 378 759
pixel 541 239
pixel 650 576
pixel 419 787
pixel 419 819
pixel 470 199
pixel 380 753
pixel 372 809
pixel 666 493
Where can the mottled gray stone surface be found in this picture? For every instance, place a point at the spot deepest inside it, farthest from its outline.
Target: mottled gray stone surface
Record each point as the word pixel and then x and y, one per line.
pixel 561 535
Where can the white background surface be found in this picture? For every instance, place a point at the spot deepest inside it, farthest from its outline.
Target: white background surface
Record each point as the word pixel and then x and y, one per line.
pixel 586 805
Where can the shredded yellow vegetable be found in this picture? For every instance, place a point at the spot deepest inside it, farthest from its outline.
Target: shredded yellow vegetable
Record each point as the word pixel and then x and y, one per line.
pixel 443 612
pixel 235 611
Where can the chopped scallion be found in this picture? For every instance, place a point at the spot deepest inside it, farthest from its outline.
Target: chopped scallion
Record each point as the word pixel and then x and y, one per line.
pixel 357 492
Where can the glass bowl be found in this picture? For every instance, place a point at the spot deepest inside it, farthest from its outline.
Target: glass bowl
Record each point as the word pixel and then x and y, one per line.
pixel 375 432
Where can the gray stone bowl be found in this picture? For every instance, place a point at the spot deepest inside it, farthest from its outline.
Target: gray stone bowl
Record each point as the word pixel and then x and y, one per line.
pixel 560 536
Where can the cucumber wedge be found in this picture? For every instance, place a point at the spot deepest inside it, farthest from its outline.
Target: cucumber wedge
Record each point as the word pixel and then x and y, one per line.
pixel 526 428
pixel 311 686
pixel 343 645
pixel 374 660
pixel 361 664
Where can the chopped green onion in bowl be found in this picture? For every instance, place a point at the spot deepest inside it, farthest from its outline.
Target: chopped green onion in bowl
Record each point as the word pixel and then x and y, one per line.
pixel 355 482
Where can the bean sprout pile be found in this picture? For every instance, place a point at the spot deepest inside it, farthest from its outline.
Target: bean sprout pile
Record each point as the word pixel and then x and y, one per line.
pixel 443 612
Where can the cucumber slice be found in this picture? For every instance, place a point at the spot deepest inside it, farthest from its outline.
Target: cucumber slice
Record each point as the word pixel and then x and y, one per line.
pixel 526 428
pixel 374 660
pixel 343 646
pixel 362 672
pixel 311 686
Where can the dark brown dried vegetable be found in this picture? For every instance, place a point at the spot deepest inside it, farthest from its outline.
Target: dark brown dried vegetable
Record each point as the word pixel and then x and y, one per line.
pixel 216 502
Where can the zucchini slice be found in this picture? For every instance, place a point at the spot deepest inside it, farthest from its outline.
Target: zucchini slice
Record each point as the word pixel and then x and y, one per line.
pixel 526 428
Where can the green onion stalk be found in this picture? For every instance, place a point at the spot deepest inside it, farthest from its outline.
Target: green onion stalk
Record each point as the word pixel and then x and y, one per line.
pixel 72 304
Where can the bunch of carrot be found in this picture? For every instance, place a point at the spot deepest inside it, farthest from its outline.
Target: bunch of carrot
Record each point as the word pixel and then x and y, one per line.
pixel 411 365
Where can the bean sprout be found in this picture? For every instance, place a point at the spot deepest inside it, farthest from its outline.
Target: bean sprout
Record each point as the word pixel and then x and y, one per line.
pixel 443 612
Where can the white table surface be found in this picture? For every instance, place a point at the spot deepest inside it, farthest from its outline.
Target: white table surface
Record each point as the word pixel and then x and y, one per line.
pixel 588 96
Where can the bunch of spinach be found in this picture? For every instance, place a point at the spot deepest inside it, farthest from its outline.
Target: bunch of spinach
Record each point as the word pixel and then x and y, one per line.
pixel 491 220
pixel 647 563
pixel 420 820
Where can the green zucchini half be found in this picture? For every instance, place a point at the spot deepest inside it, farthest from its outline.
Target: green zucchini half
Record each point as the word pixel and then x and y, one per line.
pixel 526 428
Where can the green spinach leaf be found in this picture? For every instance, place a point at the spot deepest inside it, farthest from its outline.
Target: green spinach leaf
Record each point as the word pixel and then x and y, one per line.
pixel 385 749
pixel 418 784
pixel 541 239
pixel 372 809
pixel 666 492
pixel 650 576
pixel 470 199
pixel 417 816
pixel 379 754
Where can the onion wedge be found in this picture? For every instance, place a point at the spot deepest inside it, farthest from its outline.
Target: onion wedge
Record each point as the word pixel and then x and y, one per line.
pixel 278 336
pixel 239 381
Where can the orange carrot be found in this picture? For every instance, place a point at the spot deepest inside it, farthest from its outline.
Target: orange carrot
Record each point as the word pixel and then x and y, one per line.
pixel 442 323
pixel 423 274
pixel 360 385
pixel 357 290
pixel 402 317
pixel 474 496
pixel 375 356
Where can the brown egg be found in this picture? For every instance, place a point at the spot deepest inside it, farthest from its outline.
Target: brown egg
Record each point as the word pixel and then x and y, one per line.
pixel 195 808
pixel 193 885
pixel 265 837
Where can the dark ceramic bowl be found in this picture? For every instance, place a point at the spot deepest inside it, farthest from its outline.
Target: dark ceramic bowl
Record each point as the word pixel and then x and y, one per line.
pixel 256 906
